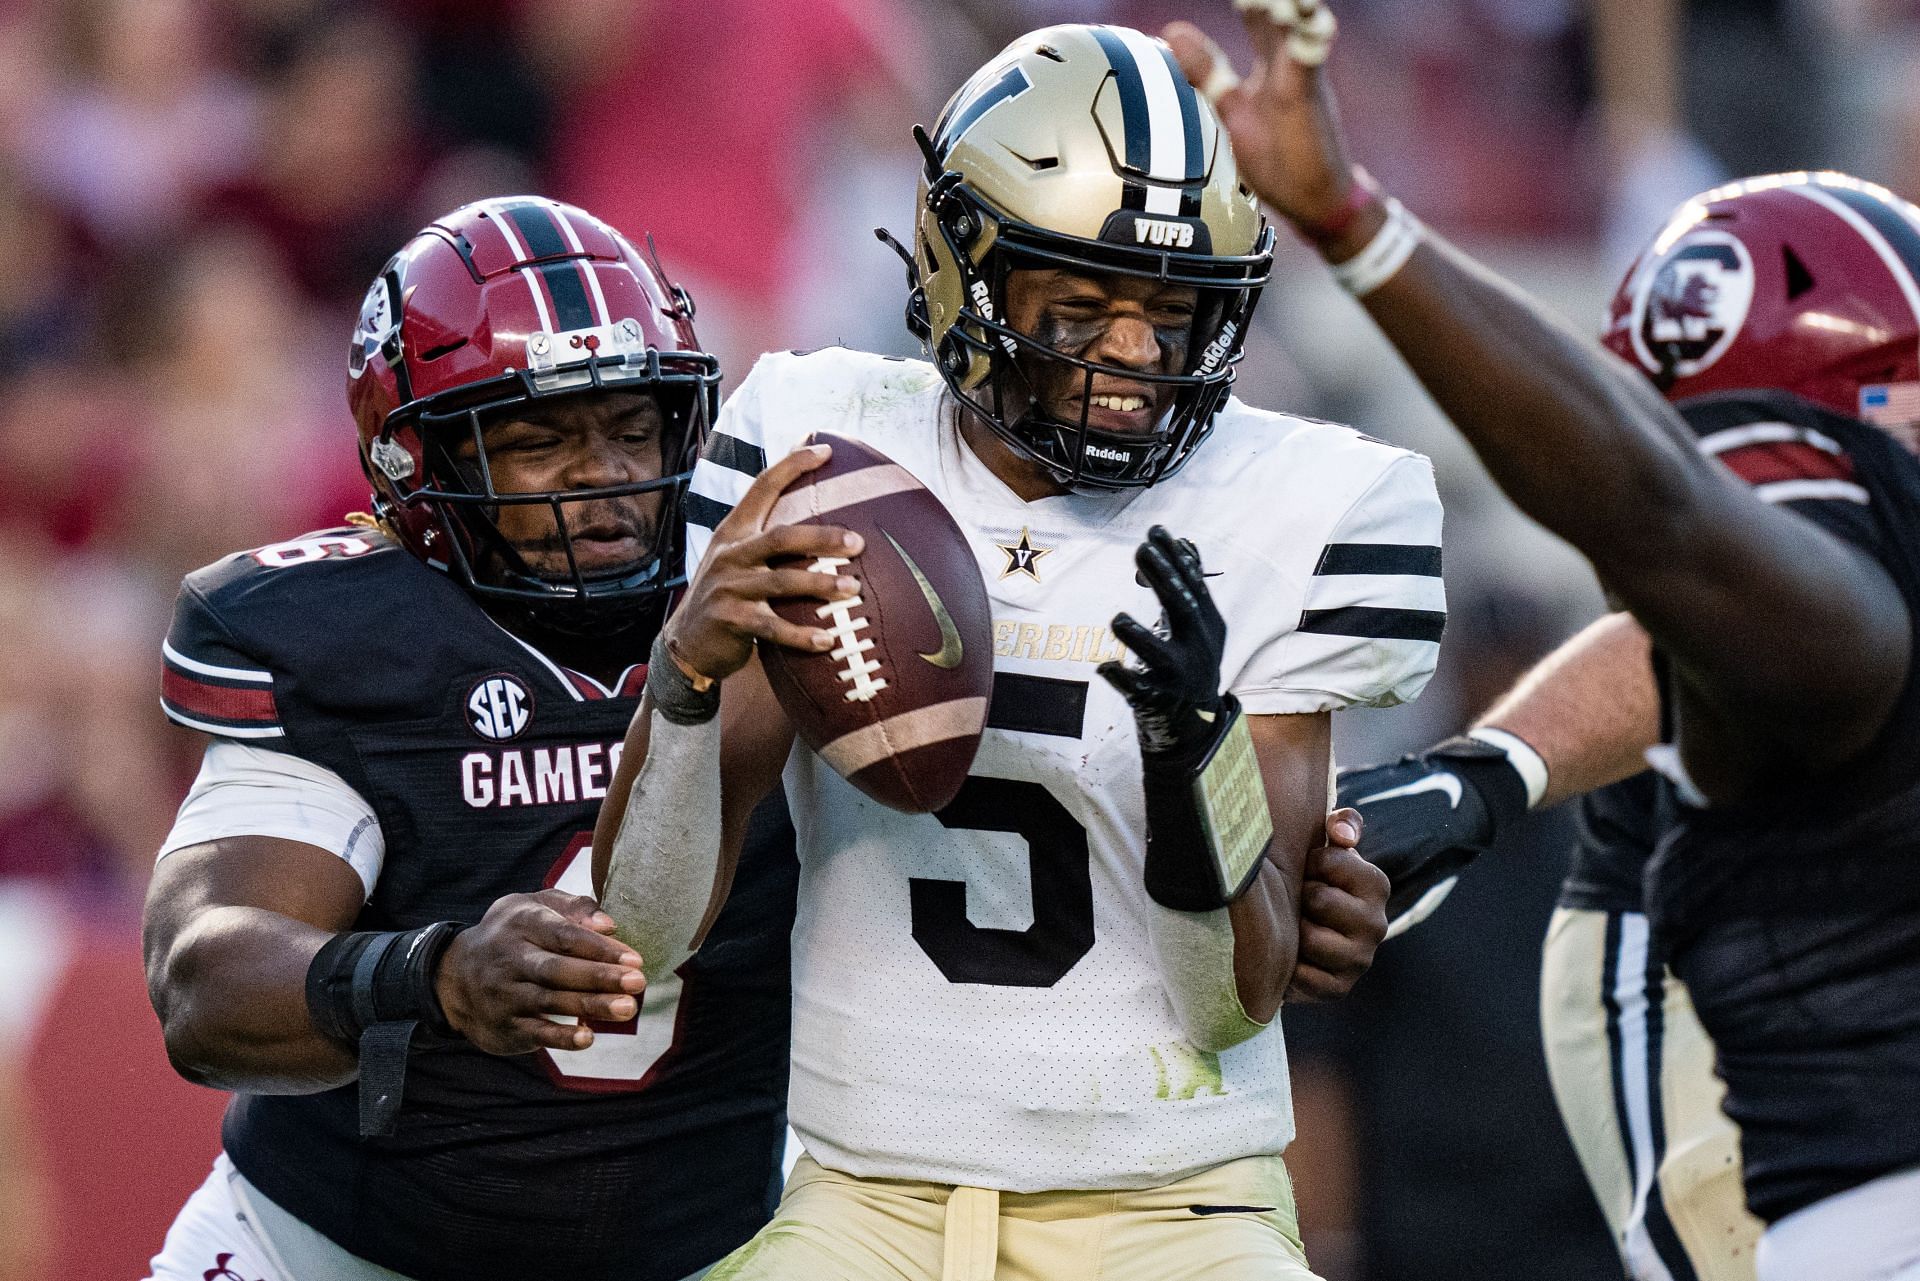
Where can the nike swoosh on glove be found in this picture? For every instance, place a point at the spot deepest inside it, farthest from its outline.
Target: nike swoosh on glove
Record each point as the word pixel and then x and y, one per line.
pixel 1427 816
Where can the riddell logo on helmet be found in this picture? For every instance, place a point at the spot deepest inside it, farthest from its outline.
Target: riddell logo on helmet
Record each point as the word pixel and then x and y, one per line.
pixel 1220 348
pixel 1106 455
pixel 1157 231
pixel 982 298
pixel 983 303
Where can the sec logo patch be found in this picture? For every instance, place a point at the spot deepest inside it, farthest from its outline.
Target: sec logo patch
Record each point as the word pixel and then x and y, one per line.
pixel 499 707
pixel 1690 302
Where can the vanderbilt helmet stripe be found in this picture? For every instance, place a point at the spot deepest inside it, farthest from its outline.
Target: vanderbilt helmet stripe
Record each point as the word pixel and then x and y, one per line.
pixel 1133 113
pixel 1157 126
pixel 1196 173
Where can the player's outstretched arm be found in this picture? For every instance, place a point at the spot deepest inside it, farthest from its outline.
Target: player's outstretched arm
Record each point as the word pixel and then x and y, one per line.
pixel 1582 718
pixel 1583 444
pixel 695 763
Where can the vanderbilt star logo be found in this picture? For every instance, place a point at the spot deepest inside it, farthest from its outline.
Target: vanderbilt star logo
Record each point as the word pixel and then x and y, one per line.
pixel 950 651
pixel 1023 557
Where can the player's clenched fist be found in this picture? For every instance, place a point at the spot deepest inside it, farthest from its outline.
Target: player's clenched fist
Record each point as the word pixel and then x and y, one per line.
pixel 533 955
pixel 1343 914
pixel 727 606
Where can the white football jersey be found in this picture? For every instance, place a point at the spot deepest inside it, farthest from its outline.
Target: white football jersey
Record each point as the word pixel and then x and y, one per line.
pixel 976 1000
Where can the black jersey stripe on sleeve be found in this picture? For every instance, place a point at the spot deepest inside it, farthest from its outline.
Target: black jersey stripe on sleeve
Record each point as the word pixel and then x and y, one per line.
pixel 705 512
pixel 1370 622
pixel 735 454
pixel 1379 558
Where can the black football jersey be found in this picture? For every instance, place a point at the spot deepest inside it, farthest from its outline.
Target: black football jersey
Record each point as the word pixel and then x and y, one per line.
pixel 644 1157
pixel 1789 463
pixel 1795 922
pixel 1616 829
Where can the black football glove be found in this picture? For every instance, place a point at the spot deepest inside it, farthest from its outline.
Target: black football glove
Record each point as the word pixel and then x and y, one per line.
pixel 1173 683
pixel 1426 817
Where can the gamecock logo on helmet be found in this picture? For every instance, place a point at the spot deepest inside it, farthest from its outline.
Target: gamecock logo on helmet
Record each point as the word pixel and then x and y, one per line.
pixel 379 321
pixel 1689 306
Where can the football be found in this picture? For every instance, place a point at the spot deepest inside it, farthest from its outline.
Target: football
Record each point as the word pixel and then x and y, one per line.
pixel 898 705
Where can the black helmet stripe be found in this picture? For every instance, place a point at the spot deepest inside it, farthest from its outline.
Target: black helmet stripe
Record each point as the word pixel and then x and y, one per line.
pixel 1133 99
pixel 571 308
pixel 1196 170
pixel 537 229
pixel 540 229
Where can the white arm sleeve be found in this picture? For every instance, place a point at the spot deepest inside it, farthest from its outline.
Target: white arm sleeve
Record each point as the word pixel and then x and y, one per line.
pixel 255 791
pixel 662 870
pixel 1195 951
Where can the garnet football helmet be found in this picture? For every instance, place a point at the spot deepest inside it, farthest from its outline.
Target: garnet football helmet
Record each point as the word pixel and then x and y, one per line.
pixel 1083 147
pixel 501 304
pixel 1807 283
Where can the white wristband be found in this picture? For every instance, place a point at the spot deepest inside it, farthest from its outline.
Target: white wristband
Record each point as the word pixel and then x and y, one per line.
pixel 1384 255
pixel 1527 763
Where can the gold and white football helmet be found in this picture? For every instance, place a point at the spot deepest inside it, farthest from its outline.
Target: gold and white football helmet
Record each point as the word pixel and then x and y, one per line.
pixel 1083 147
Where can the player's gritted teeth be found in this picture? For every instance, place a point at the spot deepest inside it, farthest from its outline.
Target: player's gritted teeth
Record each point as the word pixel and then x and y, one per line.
pixel 1115 321
pixel 1125 410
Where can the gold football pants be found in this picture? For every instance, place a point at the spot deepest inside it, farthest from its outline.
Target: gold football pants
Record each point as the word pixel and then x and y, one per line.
pixel 1234 1222
pixel 1633 1072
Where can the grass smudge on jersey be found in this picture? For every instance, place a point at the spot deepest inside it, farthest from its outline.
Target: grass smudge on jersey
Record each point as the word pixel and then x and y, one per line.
pixel 1197 1070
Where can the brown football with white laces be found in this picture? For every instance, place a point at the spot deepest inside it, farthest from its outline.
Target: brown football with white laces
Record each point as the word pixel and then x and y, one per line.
pixel 899 703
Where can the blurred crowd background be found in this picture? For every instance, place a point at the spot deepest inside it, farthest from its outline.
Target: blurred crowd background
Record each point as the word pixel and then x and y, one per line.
pixel 195 193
